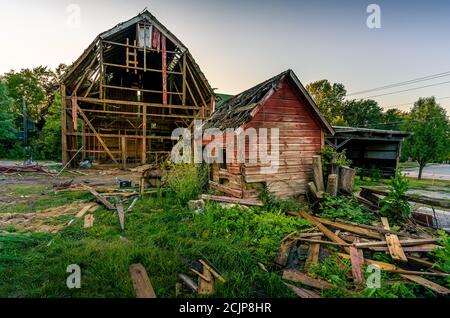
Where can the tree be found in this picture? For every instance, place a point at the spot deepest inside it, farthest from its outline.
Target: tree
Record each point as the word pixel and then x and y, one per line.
pixel 330 100
pixel 7 127
pixel 48 143
pixel 38 85
pixel 393 119
pixel 430 127
pixel 363 113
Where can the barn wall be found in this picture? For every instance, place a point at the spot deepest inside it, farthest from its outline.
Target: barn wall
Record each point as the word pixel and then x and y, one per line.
pixel 301 138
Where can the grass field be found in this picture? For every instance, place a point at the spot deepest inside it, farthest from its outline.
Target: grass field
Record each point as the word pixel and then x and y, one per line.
pixel 162 233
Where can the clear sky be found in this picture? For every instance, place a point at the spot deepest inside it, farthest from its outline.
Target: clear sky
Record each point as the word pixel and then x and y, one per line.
pixel 239 43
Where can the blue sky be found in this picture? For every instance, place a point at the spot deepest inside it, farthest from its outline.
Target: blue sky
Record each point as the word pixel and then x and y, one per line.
pixel 241 43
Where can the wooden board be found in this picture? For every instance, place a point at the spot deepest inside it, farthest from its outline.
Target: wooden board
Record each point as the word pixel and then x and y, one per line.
pixel 121 215
pixel 303 293
pixel 393 243
pixel 283 253
pixel 141 283
pixel 324 229
pixel 427 283
pixel 99 197
pixel 357 260
pixel 313 253
pixel 206 286
pixel 88 221
pixel 84 210
pixel 299 277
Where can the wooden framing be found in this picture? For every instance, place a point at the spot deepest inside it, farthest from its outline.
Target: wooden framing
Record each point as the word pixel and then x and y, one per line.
pixel 116 88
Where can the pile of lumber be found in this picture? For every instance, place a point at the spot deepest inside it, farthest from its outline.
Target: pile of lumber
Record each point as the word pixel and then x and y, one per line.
pixel 357 242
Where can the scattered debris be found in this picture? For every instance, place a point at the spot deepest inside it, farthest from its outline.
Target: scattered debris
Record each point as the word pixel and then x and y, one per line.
pixel 99 197
pixel 24 169
pixel 195 205
pixel 121 215
pixel 141 283
pixel 88 221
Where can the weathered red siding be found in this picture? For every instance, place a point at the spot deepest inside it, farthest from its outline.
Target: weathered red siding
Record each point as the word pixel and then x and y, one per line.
pixel 300 140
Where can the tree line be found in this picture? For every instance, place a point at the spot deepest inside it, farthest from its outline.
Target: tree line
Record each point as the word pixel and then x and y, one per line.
pixel 427 120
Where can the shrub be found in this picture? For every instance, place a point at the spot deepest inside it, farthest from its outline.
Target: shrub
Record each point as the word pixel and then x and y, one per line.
pixel 340 158
pixel 186 180
pixel 395 206
pixel 442 255
pixel 345 208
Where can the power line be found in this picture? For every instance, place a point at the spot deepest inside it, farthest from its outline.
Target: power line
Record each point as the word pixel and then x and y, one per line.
pixel 406 90
pixel 406 104
pixel 413 81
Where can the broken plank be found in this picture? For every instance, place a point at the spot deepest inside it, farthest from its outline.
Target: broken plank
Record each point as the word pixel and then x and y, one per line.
pixel 121 215
pixel 302 293
pixel 323 229
pixel 427 283
pixel 99 197
pixel 283 253
pixel 410 242
pixel 88 221
pixel 213 272
pixel 218 198
pixel 205 283
pixel 313 253
pixel 299 277
pixel 141 283
pixel 393 243
pixel 83 211
pixel 357 260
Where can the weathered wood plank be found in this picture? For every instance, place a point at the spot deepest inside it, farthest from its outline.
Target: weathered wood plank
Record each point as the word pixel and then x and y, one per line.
pixel 393 243
pixel 141 283
pixel 299 277
pixel 427 283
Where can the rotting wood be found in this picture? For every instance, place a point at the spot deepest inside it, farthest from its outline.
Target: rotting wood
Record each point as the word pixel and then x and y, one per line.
pixel 357 260
pixel 302 292
pixel 299 277
pixel 205 283
pixel 323 229
pixel 313 253
pixel 317 173
pixel 283 253
pixel 393 243
pixel 332 184
pixel 254 202
pixel 141 282
pixel 427 283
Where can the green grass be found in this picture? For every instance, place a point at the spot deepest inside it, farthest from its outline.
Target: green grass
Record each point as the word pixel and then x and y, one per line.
pixel 158 234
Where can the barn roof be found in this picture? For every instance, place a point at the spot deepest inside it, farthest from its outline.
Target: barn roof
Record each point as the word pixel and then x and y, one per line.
pixel 73 71
pixel 239 109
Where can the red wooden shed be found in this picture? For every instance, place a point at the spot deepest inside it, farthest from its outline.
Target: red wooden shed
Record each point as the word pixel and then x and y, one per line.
pixel 282 103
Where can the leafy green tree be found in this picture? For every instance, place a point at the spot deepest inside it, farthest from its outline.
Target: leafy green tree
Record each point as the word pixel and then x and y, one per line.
pixel 330 100
pixel 7 127
pixel 393 119
pixel 48 143
pixel 363 113
pixel 38 85
pixel 430 127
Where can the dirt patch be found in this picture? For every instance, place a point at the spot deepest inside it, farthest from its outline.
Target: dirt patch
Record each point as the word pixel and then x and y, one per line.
pixel 38 221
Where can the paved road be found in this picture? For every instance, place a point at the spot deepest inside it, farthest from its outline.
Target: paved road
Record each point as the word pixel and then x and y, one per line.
pixel 438 172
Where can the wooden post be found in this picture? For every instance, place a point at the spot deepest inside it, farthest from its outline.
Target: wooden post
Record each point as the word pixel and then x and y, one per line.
pixel 124 152
pixel 144 135
pixel 83 140
pixel 332 184
pixel 65 155
pixel 346 179
pixel 184 80
pixel 317 173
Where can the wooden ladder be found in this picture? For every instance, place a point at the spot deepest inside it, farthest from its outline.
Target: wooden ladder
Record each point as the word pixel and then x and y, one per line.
pixel 131 56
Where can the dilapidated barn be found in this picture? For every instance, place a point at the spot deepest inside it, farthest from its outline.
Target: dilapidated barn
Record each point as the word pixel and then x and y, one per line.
pixel 280 102
pixel 128 91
